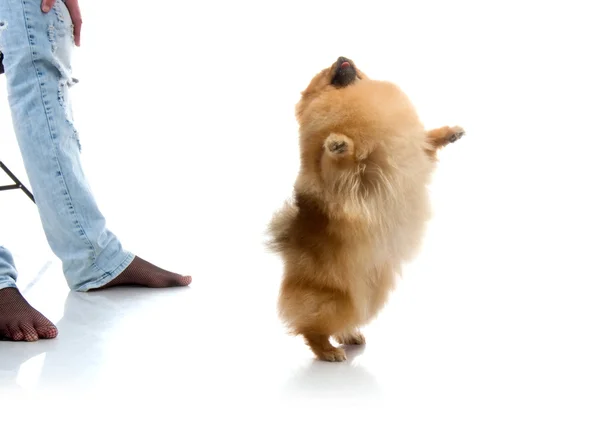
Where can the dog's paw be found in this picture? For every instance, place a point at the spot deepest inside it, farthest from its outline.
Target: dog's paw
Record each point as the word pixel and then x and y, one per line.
pixel 455 134
pixel 338 145
pixel 333 355
pixel 351 339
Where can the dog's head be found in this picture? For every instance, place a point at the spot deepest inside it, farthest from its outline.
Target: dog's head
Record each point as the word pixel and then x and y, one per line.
pixel 341 99
pixel 353 129
pixel 341 74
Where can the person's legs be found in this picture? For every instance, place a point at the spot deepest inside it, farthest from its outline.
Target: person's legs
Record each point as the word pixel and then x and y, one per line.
pixel 37 48
pixel 8 271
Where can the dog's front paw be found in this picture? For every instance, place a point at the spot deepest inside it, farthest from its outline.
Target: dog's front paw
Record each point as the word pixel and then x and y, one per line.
pixel 338 145
pixel 455 133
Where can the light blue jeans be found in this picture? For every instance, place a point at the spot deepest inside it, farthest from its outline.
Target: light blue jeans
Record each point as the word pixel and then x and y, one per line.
pixel 37 51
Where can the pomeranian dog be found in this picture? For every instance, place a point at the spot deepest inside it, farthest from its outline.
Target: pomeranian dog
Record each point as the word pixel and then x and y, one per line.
pixel 360 205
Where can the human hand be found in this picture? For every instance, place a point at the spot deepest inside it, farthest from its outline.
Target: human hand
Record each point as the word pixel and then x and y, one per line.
pixel 73 7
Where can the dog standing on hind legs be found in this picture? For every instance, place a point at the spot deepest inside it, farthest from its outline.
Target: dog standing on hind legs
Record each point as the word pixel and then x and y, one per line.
pixel 360 204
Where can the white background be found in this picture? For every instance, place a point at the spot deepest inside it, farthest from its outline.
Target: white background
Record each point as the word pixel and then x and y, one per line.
pixel 185 111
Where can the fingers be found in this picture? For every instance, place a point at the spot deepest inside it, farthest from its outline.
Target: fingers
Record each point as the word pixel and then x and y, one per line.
pixel 47 5
pixel 75 12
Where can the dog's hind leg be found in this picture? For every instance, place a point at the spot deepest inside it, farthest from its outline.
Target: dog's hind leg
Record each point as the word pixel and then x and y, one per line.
pixel 317 312
pixel 354 337
pixel 323 349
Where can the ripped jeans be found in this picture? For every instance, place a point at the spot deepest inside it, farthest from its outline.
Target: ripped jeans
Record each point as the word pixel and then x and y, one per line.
pixel 37 51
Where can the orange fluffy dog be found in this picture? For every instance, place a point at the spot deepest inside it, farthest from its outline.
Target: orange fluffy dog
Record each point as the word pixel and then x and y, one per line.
pixel 360 204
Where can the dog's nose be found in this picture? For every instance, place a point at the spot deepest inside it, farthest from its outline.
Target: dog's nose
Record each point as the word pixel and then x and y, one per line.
pixel 345 73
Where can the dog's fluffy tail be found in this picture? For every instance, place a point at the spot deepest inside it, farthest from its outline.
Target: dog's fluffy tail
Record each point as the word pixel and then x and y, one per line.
pixel 279 227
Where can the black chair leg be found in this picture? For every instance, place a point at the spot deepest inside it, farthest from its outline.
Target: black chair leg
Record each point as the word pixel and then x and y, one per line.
pixel 17 185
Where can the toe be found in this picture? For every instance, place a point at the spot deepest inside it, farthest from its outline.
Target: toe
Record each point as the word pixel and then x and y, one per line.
pixel 29 332
pixel 47 332
pixel 177 280
pixel 15 333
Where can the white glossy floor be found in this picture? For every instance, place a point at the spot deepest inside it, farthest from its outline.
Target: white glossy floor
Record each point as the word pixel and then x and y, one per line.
pixel 189 141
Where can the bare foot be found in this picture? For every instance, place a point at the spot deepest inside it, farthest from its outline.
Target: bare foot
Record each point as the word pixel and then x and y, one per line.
pixel 19 321
pixel 143 273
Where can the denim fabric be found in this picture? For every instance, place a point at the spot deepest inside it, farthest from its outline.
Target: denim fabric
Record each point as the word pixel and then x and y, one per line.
pixel 37 50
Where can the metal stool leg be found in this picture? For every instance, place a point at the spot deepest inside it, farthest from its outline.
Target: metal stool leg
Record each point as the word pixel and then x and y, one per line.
pixel 17 185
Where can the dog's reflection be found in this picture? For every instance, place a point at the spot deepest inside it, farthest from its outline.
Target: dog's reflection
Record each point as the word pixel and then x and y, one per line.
pixel 347 379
